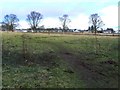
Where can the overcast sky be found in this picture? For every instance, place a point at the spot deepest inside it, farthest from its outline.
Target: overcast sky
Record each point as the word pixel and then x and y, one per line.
pixel 78 11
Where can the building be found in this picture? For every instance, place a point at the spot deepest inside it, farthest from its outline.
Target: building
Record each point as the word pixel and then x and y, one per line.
pixel 109 30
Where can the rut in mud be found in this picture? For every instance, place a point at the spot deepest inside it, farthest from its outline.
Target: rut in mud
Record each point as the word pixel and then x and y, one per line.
pixel 91 77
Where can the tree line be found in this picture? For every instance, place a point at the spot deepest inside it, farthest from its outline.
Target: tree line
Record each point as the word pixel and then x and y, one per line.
pixel 10 21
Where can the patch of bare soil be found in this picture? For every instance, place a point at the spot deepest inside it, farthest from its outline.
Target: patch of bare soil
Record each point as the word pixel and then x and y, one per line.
pixel 91 77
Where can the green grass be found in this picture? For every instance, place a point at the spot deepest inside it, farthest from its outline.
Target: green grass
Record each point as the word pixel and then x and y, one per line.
pixel 45 67
pixel 36 76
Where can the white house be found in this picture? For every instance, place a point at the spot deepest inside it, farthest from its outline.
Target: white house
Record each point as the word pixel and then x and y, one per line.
pixel 109 30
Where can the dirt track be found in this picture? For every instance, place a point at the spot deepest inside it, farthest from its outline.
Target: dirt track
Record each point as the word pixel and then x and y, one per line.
pixel 92 78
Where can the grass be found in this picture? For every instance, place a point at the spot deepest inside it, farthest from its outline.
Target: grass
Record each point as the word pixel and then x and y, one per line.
pixel 38 77
pixel 46 65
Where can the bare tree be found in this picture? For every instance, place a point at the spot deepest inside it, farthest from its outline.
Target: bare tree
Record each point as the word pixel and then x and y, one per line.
pixel 10 22
pixel 65 20
pixel 96 22
pixel 34 19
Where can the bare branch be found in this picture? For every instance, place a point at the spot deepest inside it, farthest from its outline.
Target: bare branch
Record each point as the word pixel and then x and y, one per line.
pixel 64 20
pixel 34 19
pixel 95 21
pixel 10 22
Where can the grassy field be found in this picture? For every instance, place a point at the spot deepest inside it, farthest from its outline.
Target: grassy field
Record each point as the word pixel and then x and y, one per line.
pixel 59 61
